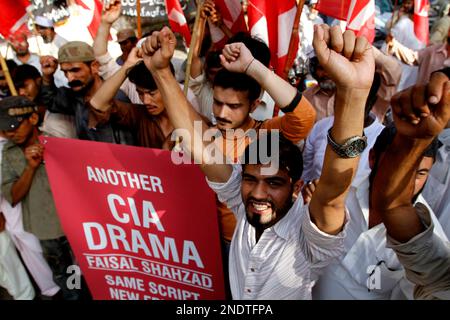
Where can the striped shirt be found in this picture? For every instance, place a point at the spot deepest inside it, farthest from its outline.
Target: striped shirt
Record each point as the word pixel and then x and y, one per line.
pixel 285 262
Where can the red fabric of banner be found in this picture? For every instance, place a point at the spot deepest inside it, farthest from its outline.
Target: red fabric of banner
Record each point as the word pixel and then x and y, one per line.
pixel 12 13
pixel 141 227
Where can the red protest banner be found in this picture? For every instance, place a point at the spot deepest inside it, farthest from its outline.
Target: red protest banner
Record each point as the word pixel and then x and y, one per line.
pixel 140 226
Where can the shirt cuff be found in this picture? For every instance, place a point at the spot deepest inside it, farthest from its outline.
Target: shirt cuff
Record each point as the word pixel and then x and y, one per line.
pixel 104 59
pixel 225 189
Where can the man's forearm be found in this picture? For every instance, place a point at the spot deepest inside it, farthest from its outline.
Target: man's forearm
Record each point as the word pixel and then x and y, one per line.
pixel 101 39
pixel 105 94
pixel 280 90
pixel 22 186
pixel 337 173
pixel 393 187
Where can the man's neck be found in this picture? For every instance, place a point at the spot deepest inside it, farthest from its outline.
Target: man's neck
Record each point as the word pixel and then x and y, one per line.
pixel 34 138
pixel 24 58
pixel 93 88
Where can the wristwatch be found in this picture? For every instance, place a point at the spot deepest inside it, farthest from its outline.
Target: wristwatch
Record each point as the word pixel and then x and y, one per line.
pixel 351 148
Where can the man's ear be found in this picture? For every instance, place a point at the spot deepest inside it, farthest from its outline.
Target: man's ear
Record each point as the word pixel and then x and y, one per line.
pixel 254 105
pixel 297 188
pixel 95 67
pixel 34 118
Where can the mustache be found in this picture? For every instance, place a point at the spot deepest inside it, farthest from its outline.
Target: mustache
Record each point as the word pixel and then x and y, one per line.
pixel 75 83
pixel 223 120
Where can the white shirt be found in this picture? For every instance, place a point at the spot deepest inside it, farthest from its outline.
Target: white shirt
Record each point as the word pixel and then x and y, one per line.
pixel 284 262
pixel 437 188
pixel 316 144
pixel 365 248
pixel 403 32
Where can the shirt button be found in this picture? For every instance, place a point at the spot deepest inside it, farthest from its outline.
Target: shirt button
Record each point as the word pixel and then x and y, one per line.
pixel 248 290
pixel 252 269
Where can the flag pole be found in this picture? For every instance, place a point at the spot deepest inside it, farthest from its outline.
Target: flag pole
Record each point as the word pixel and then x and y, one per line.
pixel 292 52
pixel 194 43
pixel 7 76
pixel 138 13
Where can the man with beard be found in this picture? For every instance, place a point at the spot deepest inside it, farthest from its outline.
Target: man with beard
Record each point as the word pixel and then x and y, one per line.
pixel 52 40
pixel 19 43
pixel 77 61
pixel 322 96
pixel 279 244
pixel 430 59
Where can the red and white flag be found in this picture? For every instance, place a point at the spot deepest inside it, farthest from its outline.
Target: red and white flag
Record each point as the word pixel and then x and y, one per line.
pixel 361 18
pixel 421 20
pixel 233 18
pixel 14 16
pixel 272 21
pixel 334 8
pixel 95 6
pixel 177 20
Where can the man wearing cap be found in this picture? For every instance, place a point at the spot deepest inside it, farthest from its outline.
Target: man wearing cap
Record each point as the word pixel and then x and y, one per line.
pixel 52 40
pixel 78 63
pixel 24 179
pixel 127 40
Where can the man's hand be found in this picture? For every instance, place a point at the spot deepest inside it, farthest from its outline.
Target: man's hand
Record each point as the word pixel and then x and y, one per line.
pixel 158 49
pixel 347 59
pixel 49 65
pixel 34 155
pixel 111 11
pixel 236 57
pixel 133 58
pixel 422 112
pixel 308 190
pixel 208 9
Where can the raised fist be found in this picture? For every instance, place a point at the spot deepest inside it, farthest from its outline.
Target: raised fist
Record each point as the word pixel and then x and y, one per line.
pixel 111 11
pixel 347 59
pixel 158 49
pixel 422 112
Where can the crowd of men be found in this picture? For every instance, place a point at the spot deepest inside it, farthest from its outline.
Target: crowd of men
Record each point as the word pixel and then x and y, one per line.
pixel 362 185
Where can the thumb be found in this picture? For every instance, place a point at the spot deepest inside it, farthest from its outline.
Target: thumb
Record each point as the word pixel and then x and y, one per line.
pixel 168 42
pixel 434 88
pixel 320 44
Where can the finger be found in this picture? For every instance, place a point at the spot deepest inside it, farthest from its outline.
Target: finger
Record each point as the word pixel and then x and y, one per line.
pixel 336 41
pixel 435 86
pixel 407 112
pixel 419 102
pixel 224 61
pixel 443 109
pixel 361 48
pixel 154 41
pixel 320 44
pixel 167 41
pixel 349 43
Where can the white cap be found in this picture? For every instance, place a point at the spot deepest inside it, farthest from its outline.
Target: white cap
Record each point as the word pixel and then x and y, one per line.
pixel 44 22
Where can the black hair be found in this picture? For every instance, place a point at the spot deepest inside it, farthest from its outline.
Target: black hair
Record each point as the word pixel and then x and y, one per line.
pixel 142 77
pixel 12 65
pixel 313 65
pixel 239 82
pixel 212 59
pixel 289 155
pixel 257 47
pixel 25 72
